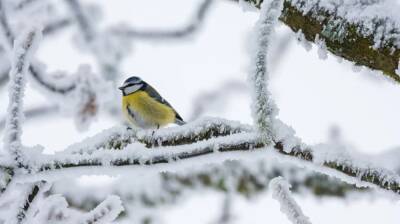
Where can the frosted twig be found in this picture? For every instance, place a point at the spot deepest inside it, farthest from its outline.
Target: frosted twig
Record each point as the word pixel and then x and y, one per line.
pixel 5 27
pixel 263 107
pixel 55 26
pixel 24 47
pixel 226 211
pixel 29 193
pixel 193 26
pixel 84 25
pixel 105 212
pixel 280 192
pixel 35 72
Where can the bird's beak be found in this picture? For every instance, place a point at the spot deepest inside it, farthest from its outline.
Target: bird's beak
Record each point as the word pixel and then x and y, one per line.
pixel 121 87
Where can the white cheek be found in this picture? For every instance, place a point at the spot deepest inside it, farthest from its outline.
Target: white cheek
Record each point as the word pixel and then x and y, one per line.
pixel 132 89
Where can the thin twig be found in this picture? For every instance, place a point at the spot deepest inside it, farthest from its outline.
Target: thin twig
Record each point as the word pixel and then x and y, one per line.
pixel 192 27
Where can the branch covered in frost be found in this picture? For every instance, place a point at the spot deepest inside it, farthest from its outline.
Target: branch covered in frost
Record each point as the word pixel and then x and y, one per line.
pixel 157 189
pixel 199 130
pixel 193 26
pixel 24 47
pixel 28 194
pixel 366 33
pixel 105 212
pixel 193 132
pixel 263 107
pixel 226 215
pixel 85 27
pixel 280 192
pixel 56 25
pixel 133 151
pixel 55 209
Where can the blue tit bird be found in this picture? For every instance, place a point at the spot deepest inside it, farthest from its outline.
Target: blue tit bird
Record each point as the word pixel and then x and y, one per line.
pixel 144 107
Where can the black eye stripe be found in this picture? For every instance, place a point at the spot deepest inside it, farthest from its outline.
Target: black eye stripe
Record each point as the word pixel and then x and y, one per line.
pixel 132 84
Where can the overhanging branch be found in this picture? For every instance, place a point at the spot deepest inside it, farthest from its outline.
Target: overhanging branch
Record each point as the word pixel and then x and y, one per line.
pixel 375 46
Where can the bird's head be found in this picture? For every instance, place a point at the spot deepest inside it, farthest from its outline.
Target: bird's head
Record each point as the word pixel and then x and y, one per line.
pixel 131 85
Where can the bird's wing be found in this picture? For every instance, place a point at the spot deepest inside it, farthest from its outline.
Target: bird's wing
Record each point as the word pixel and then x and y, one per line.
pixel 154 94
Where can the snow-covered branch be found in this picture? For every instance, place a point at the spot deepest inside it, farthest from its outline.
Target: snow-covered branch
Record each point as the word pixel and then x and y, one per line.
pixel 24 47
pixel 83 22
pixel 133 151
pixel 55 209
pixel 280 192
pixel 156 190
pixel 56 25
pixel 263 108
pixel 366 33
pixel 105 212
pixel 27 195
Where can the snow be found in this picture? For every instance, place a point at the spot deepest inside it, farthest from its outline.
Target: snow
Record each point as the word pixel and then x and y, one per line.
pixel 366 15
pixel 281 192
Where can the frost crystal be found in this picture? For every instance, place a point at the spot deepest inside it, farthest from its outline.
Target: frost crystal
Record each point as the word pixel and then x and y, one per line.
pixel 280 191
pixel 322 50
pixel 301 39
pixel 356 68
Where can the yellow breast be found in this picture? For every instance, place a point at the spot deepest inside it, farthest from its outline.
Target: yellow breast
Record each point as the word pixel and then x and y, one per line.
pixel 148 111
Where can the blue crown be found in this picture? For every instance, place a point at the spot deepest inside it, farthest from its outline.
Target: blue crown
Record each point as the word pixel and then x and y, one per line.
pixel 133 80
